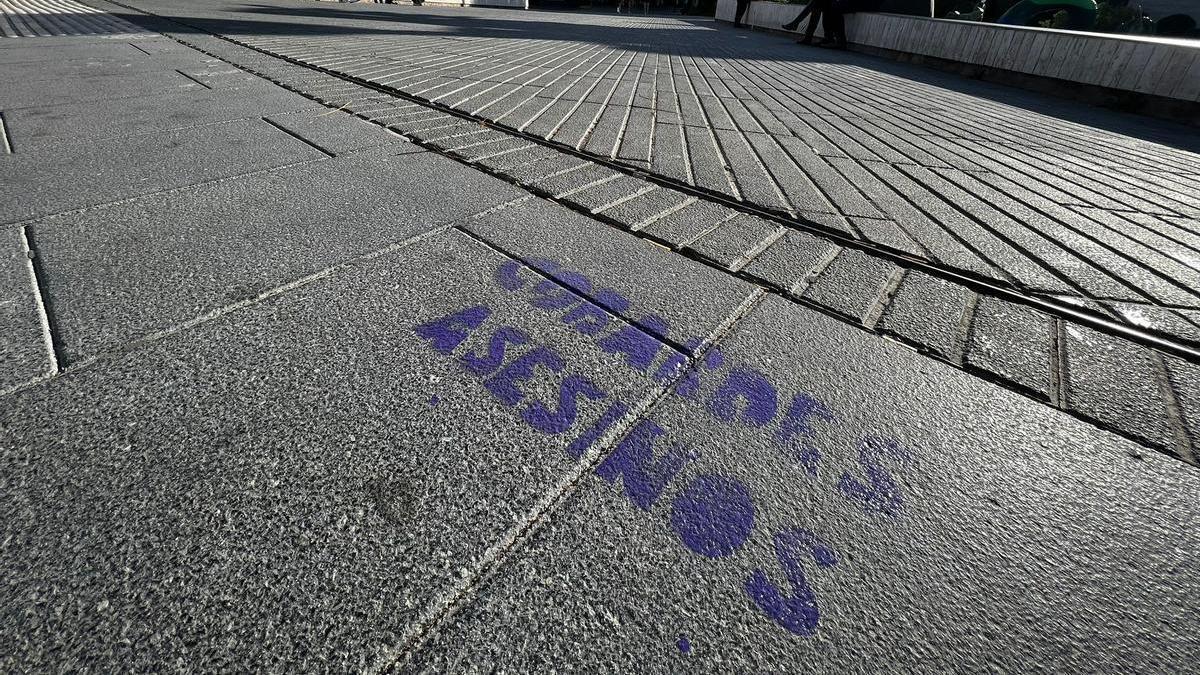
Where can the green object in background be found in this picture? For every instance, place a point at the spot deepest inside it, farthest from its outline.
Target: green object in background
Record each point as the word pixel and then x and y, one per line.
pixel 1080 14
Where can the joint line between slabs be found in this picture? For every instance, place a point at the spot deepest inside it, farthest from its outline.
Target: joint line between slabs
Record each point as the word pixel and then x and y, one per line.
pixel 41 298
pixel 884 298
pixel 962 332
pixel 202 84
pixel 1058 363
pixel 298 137
pixel 1185 445
pixel 587 298
pixel 219 312
pixel 5 139
pixel 447 604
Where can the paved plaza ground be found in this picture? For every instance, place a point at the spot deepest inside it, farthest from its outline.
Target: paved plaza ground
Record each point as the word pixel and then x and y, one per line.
pixel 393 338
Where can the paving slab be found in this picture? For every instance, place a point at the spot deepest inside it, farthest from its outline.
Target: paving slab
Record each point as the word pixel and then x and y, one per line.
pixel 24 92
pixel 667 295
pixel 852 284
pixel 904 547
pixel 685 225
pixel 1013 342
pixel 733 241
pixel 646 207
pixel 790 259
pixel 97 120
pixel 927 311
pixel 319 493
pixel 24 346
pixel 114 169
pixel 1118 383
pixel 1185 382
pixel 334 132
pixel 120 272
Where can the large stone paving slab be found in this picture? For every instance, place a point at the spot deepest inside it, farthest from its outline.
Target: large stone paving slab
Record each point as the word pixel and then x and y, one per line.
pixel 667 295
pixel 859 507
pixel 120 272
pixel 95 120
pixel 289 486
pixel 24 345
pixel 64 48
pixel 113 169
pixel 30 90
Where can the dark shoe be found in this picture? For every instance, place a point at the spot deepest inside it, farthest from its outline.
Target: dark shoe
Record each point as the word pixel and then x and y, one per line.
pixel 805 41
pixel 840 45
pixel 825 43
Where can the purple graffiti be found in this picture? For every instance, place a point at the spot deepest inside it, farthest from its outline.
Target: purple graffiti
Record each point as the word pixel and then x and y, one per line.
pixel 589 318
pixel 551 296
pixel 507 275
pixel 484 364
pixel 639 347
pixel 503 384
pixel 585 440
pixel 883 494
pixel 751 387
pixel 689 384
pixel 796 426
pixel 644 477
pixel 713 516
pixel 797 612
pixel 448 332
pixel 548 421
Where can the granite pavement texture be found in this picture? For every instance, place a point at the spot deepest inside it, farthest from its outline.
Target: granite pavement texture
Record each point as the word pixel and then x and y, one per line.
pixel 301 371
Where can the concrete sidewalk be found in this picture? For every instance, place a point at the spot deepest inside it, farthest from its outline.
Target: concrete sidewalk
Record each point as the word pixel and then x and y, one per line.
pixel 1055 198
pixel 287 390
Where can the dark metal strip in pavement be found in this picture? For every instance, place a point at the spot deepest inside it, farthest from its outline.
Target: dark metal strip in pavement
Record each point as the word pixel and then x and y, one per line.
pixel 960 277
pixel 192 79
pixel 298 137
